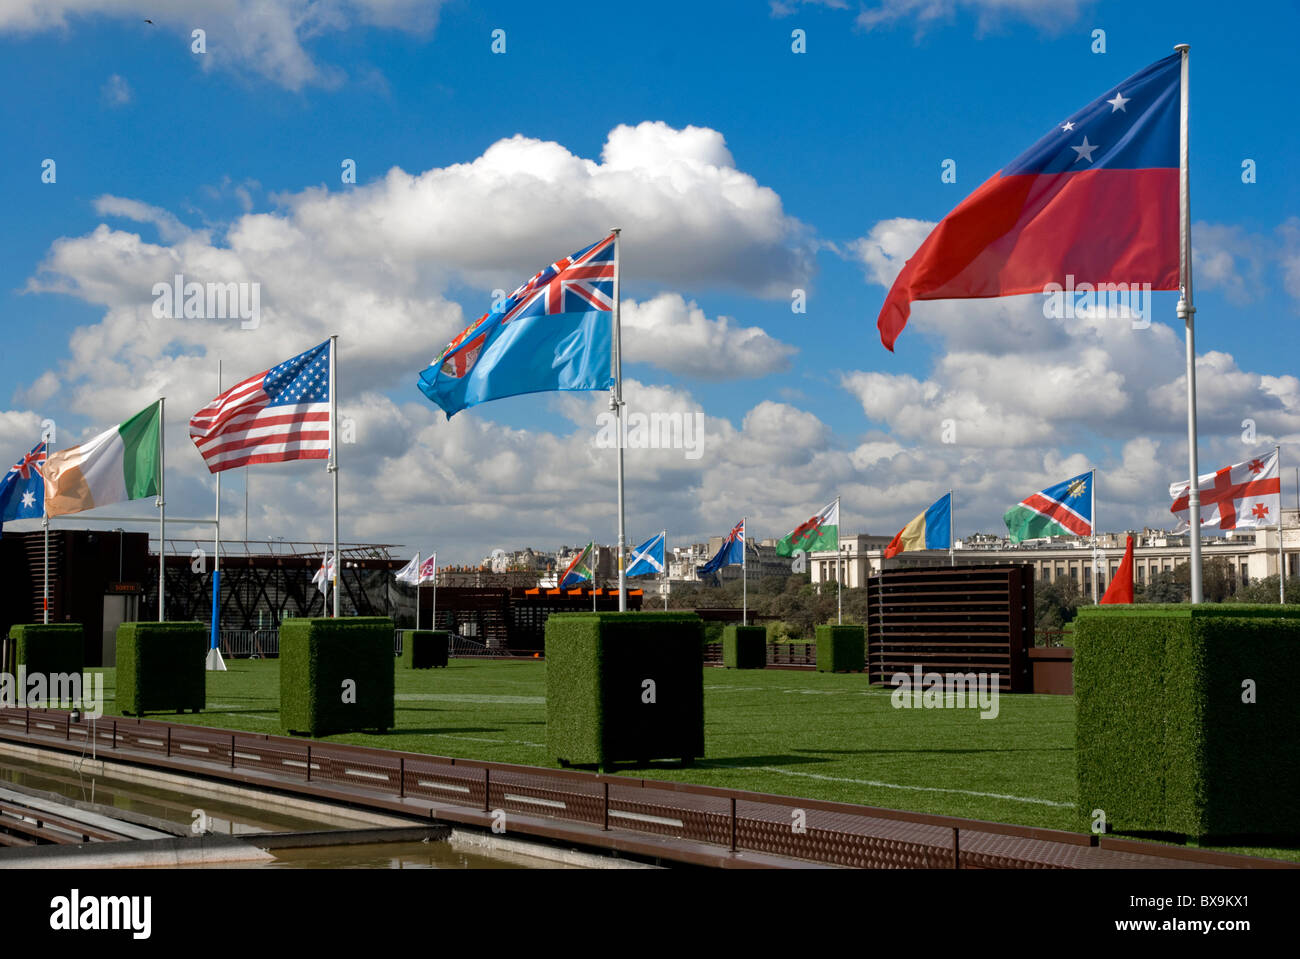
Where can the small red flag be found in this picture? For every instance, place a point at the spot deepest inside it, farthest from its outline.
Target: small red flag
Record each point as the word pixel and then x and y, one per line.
pixel 1120 589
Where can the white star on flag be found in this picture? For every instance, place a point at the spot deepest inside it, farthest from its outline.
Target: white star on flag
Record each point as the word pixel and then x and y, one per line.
pixel 1085 151
pixel 1118 102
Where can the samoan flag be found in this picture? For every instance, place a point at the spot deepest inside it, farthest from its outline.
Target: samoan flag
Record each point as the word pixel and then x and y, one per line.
pixel 648 558
pixel 22 490
pixel 1096 198
pixel 732 551
pixel 553 333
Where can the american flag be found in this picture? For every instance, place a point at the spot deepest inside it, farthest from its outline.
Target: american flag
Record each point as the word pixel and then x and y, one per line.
pixel 578 283
pixel 279 415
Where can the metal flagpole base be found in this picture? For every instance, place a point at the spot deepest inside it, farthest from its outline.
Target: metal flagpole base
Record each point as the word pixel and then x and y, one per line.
pixel 215 663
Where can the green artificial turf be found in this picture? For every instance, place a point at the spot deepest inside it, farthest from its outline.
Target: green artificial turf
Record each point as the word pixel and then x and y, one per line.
pixel 792 732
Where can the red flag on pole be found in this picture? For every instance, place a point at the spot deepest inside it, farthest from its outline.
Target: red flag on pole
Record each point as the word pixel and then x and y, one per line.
pixel 1120 589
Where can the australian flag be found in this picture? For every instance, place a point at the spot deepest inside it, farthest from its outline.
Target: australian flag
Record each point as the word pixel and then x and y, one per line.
pixel 732 551
pixel 553 333
pixel 22 490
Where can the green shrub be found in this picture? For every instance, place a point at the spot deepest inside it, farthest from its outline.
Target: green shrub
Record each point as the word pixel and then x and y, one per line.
pixel 744 647
pixel 1165 741
pixel 49 648
pixel 713 632
pixel 597 665
pixel 161 666
pixel 841 648
pixel 424 648
pixel 336 675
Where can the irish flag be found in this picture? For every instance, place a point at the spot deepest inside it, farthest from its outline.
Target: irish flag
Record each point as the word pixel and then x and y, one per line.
pixel 820 532
pixel 119 464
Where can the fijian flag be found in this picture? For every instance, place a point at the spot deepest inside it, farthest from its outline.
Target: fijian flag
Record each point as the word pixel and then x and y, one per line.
pixel 553 333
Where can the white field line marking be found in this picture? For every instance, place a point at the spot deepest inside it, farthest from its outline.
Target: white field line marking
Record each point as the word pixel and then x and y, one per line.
pixel 472 698
pixel 482 739
pixel 924 789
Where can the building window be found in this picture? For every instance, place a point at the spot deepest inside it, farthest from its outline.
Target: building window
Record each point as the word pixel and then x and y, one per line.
pixel 1245 576
pixel 1142 570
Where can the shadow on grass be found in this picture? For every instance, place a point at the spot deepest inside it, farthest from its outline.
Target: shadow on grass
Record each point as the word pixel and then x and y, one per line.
pixel 940 752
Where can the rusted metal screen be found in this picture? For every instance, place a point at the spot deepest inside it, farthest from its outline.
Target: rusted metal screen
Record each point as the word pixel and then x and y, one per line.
pixel 959 619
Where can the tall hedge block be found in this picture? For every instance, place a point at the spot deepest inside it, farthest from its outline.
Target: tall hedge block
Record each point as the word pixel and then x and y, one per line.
pixel 424 648
pixel 49 648
pixel 336 675
pixel 1168 738
pixel 161 666
pixel 624 687
pixel 744 647
pixel 841 648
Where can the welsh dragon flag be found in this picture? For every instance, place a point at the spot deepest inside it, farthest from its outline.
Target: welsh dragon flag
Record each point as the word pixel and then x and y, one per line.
pixel 820 532
pixel 580 570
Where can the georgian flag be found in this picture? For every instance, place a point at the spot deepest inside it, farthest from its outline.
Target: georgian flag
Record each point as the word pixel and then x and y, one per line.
pixel 1240 496
pixel 324 576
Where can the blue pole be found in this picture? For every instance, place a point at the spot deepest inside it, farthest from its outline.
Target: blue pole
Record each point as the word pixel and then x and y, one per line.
pixel 216 607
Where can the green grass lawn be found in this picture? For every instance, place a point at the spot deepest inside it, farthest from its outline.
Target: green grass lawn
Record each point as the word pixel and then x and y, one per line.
pixel 795 733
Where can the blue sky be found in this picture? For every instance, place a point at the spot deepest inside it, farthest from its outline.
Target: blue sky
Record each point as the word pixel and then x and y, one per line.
pixel 229 162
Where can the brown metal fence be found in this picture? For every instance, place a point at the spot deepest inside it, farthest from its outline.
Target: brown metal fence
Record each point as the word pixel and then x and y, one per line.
pixel 731 820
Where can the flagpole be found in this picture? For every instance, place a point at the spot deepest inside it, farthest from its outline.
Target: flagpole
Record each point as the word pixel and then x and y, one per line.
pixel 417 592
pixel 616 401
pixel 162 514
pixel 215 645
pixel 952 525
pixel 1092 486
pixel 744 576
pixel 594 566
pixel 334 469
pixel 433 615
pixel 44 525
pixel 664 589
pixel 1187 313
pixel 840 566
pixel 1281 553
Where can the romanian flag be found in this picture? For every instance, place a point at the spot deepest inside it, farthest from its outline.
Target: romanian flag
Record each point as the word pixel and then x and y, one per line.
pixel 1095 199
pixel 931 530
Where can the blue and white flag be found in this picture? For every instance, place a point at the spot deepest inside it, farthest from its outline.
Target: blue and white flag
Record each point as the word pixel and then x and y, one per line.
pixel 22 490
pixel 732 551
pixel 553 333
pixel 648 558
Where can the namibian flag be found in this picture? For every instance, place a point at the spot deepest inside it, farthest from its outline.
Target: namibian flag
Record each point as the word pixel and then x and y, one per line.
pixel 1061 510
pixel 931 530
pixel 1096 199
pixel 580 570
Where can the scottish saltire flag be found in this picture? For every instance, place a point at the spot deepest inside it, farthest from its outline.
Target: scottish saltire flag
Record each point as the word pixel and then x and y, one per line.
pixel 410 573
pixel 1235 497
pixel 732 551
pixel 930 530
pixel 648 558
pixel 1061 510
pixel 22 490
pixel 553 333
pixel 280 414
pixel 1096 198
pixel 820 532
pixel 580 570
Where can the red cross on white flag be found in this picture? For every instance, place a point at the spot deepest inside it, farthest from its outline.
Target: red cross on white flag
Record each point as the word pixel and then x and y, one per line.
pixel 1236 497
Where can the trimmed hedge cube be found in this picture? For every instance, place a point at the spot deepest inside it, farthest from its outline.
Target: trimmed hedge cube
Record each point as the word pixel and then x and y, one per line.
pixel 624 687
pixel 744 647
pixel 841 649
pixel 161 666
pixel 424 648
pixel 49 648
pixel 1187 720
pixel 336 675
